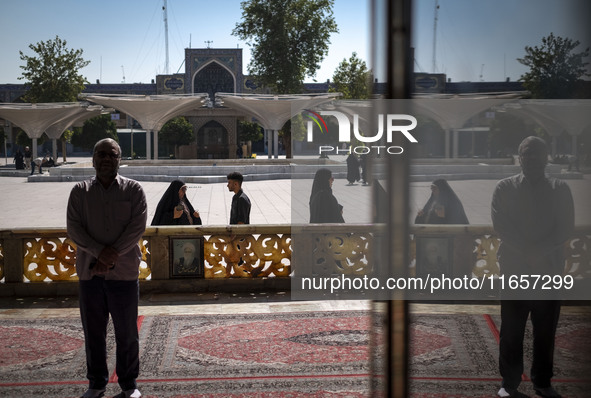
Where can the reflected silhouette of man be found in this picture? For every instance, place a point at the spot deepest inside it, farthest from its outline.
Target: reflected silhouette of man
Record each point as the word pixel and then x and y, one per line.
pixel 533 216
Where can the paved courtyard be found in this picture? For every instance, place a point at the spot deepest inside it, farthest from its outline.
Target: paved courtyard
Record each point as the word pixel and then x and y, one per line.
pixel 43 205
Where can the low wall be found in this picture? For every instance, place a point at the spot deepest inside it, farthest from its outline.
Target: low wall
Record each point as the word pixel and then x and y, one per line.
pixel 41 262
pixel 255 171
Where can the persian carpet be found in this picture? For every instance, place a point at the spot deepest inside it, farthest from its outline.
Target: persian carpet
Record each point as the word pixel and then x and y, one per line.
pixel 323 354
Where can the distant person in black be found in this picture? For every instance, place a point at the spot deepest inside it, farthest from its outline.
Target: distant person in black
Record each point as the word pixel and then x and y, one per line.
pixel 443 206
pixel 174 207
pixel 240 210
pixel 534 216
pixel 19 160
pixel 352 169
pixel 324 207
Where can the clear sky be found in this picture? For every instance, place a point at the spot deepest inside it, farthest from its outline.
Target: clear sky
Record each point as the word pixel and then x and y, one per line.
pixel 493 33
pixel 125 38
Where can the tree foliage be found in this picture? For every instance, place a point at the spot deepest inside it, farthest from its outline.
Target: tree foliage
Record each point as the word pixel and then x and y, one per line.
pixel 93 130
pixel 352 78
pixel 289 39
pixel 506 133
pixel 53 74
pixel 249 131
pixel 175 132
pixel 555 69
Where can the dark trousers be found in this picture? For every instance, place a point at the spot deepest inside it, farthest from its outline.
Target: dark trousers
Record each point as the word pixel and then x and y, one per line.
pixel 33 164
pixel 98 299
pixel 544 318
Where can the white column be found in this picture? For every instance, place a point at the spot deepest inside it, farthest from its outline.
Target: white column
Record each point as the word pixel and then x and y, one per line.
pixel 148 144
pixel 447 134
pixel 276 143
pixel 455 149
pixel 131 144
pixel 269 143
pixel 155 145
pixel 34 150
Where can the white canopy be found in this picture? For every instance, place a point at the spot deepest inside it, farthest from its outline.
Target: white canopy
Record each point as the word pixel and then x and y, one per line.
pixel 34 119
pixel 272 111
pixel 56 130
pixel 573 115
pixel 556 116
pixel 151 111
pixel 88 112
pixel 453 113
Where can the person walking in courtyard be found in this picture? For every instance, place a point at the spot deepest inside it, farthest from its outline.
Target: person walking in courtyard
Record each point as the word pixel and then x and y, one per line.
pixel 240 210
pixel 175 208
pixel 19 162
pixel 28 157
pixel 534 216
pixel 106 217
pixel 352 169
pixel 324 207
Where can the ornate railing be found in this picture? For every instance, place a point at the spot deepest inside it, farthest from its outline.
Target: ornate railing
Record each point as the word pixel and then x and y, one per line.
pixel 238 252
pixel 257 251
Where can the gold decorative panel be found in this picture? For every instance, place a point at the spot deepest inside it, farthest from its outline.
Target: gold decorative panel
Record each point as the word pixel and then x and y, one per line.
pixel 345 253
pixel 247 256
pixel 262 252
pixel 54 259
pixel 486 256
pixel 49 258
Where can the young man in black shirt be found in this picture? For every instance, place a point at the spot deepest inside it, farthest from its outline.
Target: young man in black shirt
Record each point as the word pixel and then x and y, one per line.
pixel 240 211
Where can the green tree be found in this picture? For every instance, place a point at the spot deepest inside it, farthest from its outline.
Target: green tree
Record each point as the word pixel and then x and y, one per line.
pixel 249 131
pixel 555 69
pixel 23 139
pixel 352 78
pixel 506 133
pixel 93 130
pixel 176 132
pixel 289 39
pixel 53 74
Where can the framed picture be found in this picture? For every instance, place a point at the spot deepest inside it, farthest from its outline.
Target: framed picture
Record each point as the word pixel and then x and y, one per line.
pixel 434 256
pixel 186 257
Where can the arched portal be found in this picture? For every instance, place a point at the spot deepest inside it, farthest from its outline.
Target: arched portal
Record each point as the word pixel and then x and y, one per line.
pixel 212 141
pixel 213 78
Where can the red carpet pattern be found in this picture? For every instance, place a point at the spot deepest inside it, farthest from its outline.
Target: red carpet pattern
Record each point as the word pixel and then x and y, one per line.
pixel 256 345
pixel 307 354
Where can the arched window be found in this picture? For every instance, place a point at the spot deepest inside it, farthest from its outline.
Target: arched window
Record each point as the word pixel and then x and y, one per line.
pixel 212 79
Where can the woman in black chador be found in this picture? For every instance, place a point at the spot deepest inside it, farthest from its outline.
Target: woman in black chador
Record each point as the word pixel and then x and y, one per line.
pixel 353 169
pixel 19 160
pixel 324 207
pixel 174 208
pixel 443 207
